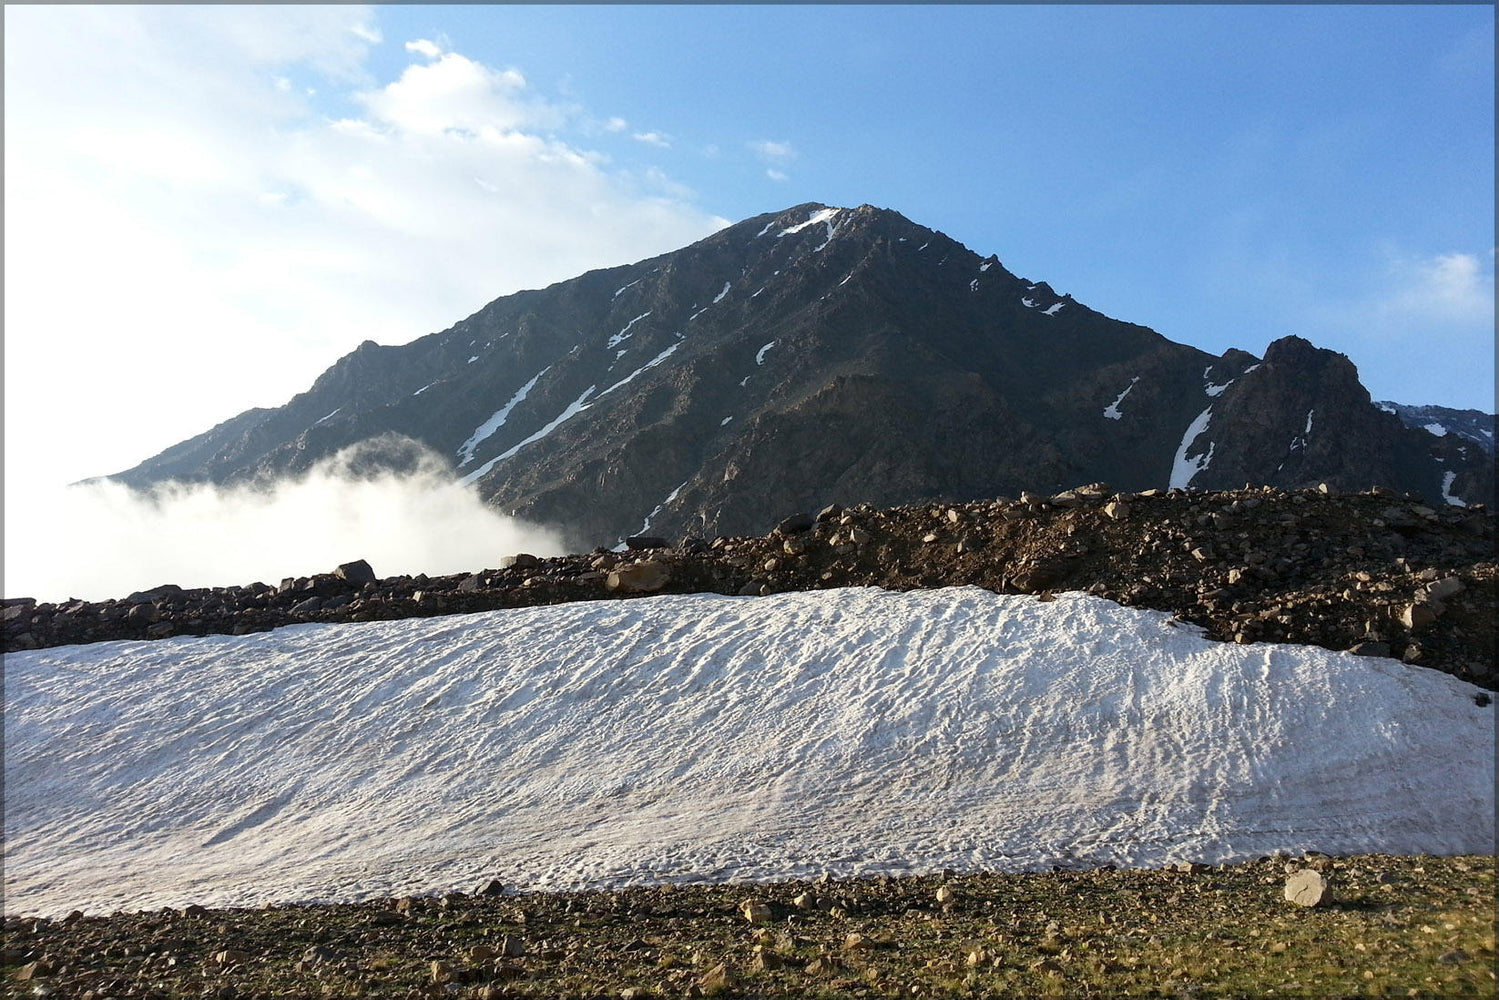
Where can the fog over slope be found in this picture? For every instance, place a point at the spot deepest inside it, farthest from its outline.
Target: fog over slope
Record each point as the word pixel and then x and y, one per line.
pixel 388 501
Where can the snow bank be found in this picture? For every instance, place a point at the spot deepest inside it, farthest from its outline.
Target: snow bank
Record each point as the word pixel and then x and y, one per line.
pixel 712 738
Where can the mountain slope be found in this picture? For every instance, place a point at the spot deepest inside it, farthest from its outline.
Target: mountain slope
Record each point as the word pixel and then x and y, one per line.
pixel 819 355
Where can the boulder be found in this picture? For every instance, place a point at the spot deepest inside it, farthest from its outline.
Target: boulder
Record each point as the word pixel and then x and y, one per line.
pixel 357 572
pixel 639 578
pixel 1307 887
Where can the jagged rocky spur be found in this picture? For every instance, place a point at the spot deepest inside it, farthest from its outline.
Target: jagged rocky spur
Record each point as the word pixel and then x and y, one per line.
pixel 1377 573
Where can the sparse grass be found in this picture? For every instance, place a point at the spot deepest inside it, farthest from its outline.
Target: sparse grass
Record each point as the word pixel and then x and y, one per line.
pixel 1397 926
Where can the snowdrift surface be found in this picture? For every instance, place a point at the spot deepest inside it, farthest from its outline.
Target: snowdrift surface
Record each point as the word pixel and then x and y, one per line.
pixel 712 738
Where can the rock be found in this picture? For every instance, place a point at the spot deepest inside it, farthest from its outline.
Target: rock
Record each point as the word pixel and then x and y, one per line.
pixel 1370 648
pixel 471 583
pixel 946 895
pixel 756 912
pixel 481 953
pixel 32 970
pixel 717 979
pixel 447 972
pixel 1117 509
pixel 794 546
pixel 855 942
pixel 1418 615
pixel 795 524
pixel 1307 887
pixel 357 572
pixel 828 513
pixel 637 543
pixel 512 947
pixel 494 887
pixel 521 560
pixel 1440 590
pixel 805 901
pixel 930 537
pixel 764 960
pixel 1455 957
pixel 858 536
pixel 303 607
pixel 639 578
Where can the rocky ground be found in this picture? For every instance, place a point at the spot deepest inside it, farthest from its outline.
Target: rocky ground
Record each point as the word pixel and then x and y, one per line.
pixel 1380 926
pixel 1378 573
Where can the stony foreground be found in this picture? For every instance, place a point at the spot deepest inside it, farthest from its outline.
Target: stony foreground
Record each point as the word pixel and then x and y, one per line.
pixel 1375 572
pixel 1386 926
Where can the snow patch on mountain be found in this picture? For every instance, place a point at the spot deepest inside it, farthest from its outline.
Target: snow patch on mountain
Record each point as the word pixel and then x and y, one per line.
pixel 1053 309
pixel 571 410
pixel 1435 429
pixel 707 738
pixel 1184 468
pixel 496 420
pixel 760 357
pixel 1112 410
pixel 821 215
pixel 624 334
pixel 719 297
pixel 1447 479
pixel 648 365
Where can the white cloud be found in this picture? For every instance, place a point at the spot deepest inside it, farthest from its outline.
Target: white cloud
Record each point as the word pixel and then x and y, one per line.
pixel 775 175
pixel 652 139
pixel 773 150
pixel 423 47
pixel 616 125
pixel 200 240
pixel 103 540
pixel 1454 288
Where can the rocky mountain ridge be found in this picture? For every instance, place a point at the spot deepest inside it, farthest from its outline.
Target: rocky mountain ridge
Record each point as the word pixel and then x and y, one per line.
pixel 1470 425
pixel 823 355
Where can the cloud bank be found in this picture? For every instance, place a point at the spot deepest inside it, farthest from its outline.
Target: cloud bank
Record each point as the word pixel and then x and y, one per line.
pixel 101 539
pixel 218 202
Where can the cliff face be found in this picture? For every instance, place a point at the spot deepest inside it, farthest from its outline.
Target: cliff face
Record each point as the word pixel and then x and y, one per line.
pixel 823 355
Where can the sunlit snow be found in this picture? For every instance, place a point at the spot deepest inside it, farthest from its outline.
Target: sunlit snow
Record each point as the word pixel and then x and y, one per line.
pixel 624 334
pixel 1435 428
pixel 821 215
pixel 632 284
pixel 649 364
pixel 707 738
pixel 497 420
pixel 719 297
pixel 1053 309
pixel 760 357
pixel 327 418
pixel 571 410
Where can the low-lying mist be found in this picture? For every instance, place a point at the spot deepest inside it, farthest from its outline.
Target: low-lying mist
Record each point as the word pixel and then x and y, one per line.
pixel 389 501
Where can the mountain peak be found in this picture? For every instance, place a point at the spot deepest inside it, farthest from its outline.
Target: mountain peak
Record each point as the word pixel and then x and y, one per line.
pixel 824 354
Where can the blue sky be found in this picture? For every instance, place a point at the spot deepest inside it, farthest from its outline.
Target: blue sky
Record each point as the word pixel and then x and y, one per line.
pixel 207 206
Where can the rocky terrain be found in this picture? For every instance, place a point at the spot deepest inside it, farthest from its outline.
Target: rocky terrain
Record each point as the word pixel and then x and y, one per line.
pixel 1376 925
pixel 1377 573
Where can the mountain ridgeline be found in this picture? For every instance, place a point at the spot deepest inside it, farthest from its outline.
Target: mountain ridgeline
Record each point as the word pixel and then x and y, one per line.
pixel 821 355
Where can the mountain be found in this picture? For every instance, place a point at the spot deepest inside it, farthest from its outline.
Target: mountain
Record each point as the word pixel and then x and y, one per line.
pixel 821 355
pixel 1471 425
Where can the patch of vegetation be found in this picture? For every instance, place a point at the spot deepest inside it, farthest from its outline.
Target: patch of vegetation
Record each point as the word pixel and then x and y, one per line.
pixel 1394 926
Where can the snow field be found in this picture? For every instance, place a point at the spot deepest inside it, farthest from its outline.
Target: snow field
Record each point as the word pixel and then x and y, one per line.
pixel 701 737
